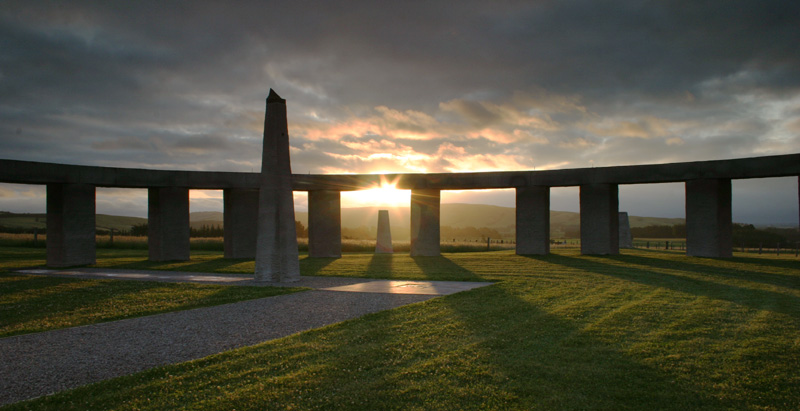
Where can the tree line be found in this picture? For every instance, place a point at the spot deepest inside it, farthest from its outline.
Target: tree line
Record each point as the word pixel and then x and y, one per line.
pixel 208 231
pixel 744 235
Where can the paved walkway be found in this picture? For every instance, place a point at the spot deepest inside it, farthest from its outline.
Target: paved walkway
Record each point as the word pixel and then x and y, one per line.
pixel 38 364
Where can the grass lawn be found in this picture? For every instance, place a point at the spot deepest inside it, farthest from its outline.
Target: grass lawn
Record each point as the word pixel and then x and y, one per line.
pixel 646 329
pixel 35 303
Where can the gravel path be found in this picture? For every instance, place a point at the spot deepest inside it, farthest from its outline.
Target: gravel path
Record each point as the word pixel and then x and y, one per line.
pixel 43 363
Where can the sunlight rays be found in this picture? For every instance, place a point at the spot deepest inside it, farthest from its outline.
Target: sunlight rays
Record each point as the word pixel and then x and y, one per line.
pixel 385 195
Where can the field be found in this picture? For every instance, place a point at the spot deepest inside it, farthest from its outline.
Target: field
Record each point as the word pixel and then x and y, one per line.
pixel 217 243
pixel 645 329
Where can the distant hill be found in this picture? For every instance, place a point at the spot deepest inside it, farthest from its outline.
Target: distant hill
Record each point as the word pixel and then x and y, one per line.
pixel 502 219
pixel 498 218
pixel 103 221
pixel 206 218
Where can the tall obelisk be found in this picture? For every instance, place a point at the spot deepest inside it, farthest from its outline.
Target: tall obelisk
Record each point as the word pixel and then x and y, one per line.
pixel 277 258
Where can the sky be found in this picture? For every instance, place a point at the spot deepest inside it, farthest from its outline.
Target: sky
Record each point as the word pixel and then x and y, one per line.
pixel 413 86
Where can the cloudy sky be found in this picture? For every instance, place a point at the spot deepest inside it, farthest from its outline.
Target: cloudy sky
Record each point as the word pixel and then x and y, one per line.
pixel 429 86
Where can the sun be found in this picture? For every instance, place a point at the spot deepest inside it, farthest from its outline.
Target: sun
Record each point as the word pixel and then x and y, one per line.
pixel 385 195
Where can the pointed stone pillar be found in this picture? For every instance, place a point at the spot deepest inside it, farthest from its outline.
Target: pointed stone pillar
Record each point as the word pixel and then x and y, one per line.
pixel 70 225
pixel 709 230
pixel 277 258
pixel 324 223
pixel 240 214
pixel 383 243
pixel 625 237
pixel 168 227
pixel 533 220
pixel 425 239
pixel 599 219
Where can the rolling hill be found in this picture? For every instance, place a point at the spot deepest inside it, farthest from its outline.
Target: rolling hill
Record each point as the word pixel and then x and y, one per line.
pixel 498 218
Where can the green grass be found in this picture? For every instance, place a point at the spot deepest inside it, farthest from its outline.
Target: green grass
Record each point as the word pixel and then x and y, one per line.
pixel 646 329
pixel 35 303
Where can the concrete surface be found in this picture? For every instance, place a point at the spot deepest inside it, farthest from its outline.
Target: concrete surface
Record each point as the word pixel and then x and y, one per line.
pixel 168 223
pixel 240 215
pixel 70 225
pixel 625 236
pixel 533 220
pixel 383 239
pixel 599 219
pixel 709 230
pixel 425 228
pixel 277 257
pixel 31 172
pixel 324 223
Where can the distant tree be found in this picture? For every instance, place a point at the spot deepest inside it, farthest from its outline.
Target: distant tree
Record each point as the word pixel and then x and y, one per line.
pixel 359 233
pixel 302 232
pixel 139 230
pixel 746 235
pixel 792 235
pixel 207 231
pixel 660 231
pixel 471 233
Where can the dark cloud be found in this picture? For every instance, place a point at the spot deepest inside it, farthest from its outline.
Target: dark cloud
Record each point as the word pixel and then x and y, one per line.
pixel 435 85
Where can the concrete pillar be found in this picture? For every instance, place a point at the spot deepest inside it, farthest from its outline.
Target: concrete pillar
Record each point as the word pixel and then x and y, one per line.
pixel 533 220
pixel 708 218
pixel 168 223
pixel 625 237
pixel 240 222
pixel 599 219
pixel 425 222
pixel 383 243
pixel 277 258
pixel 324 223
pixel 70 225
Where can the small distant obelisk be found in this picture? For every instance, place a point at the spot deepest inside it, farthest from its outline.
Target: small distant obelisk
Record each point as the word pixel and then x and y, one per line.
pixel 277 257
pixel 384 241
pixel 625 237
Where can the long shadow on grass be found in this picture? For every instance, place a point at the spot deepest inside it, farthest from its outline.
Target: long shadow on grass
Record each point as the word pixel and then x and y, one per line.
pixel 380 266
pixel 312 266
pixel 207 266
pixel 753 298
pixel 549 361
pixel 64 301
pixel 95 292
pixel 442 268
pixel 770 262
pixel 489 348
pixel 485 348
pixel 685 264
pixel 787 264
